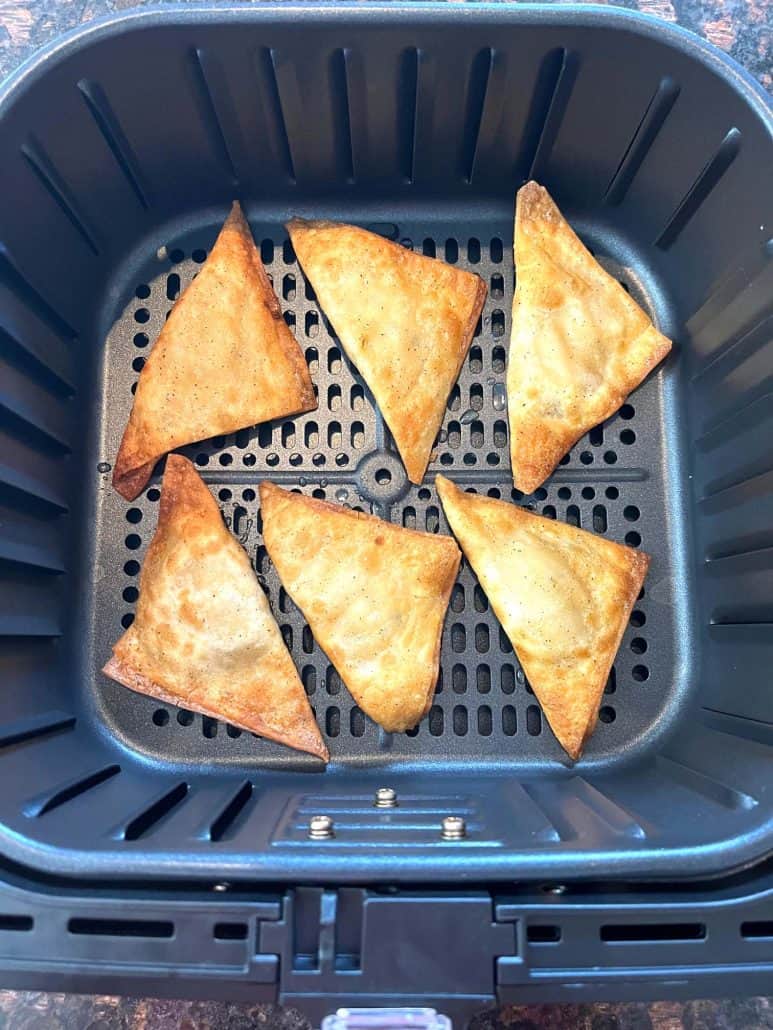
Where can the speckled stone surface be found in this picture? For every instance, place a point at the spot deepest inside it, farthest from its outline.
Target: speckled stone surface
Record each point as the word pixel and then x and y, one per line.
pixel 742 28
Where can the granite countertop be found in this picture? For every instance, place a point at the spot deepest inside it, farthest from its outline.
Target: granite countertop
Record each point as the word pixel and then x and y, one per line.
pixel 742 28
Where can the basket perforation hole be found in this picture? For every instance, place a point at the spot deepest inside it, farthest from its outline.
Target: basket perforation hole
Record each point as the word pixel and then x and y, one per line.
pixel 334 361
pixel 233 731
pixel 133 541
pixel 289 317
pixel 312 359
pixel 633 539
pixel 334 434
pixel 638 618
pixel 482 640
pixel 130 594
pixel 533 721
pixel 596 436
pixel 475 360
pixel 288 254
pixel 549 511
pixel 504 642
pixel 307 640
pixel 138 364
pixel 356 722
pixel 610 457
pixel 480 601
pixel 358 435
pixel 500 433
pixel 311 323
pixel 460 721
pixel 496 250
pixel 141 339
pixel 142 292
pixel 287 636
pixel 160 717
pixel 409 517
pixel 498 359
pixel 639 645
pixel 483 679
pixel 428 248
pixel 640 673
pixel 573 515
pixel 455 398
pixel 208 727
pixel 507 678
pixel 127 619
pixel 457 598
pixel 588 493
pixel 586 458
pixel 454 435
pixel 459 679
pixel 607 714
pixel 311 434
pixel 599 518
pixel 476 434
pixel 184 717
pixel 627 437
pixel 309 679
pixel 332 681
pixel 627 412
pixel 473 251
pixel 172 286
pixel 497 288
pixel 509 721
pixel 357 397
pixel 476 397
pixel 131 568
pixel 333 722
pixel 288 287
pixel 432 519
pixel 497 323
pixel 564 493
pixel 142 315
pixel 485 721
pixel 611 685
pixel 458 638
pixel 452 251
pixel 436 720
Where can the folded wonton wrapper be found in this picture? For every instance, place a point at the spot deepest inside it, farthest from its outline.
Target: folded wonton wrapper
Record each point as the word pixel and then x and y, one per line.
pixel 405 320
pixel 225 359
pixel 375 596
pixel 579 343
pixel 562 595
pixel 204 636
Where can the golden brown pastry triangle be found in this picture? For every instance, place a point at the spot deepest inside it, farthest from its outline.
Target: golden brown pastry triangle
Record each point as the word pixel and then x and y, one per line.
pixel 405 320
pixel 562 595
pixel 204 636
pixel 375 596
pixel 225 359
pixel 579 343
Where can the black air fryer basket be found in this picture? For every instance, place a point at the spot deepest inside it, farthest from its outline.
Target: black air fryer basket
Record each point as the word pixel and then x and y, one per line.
pixel 166 849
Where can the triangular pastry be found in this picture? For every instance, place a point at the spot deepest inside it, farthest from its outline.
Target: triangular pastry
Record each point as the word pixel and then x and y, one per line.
pixel 562 595
pixel 375 596
pixel 405 320
pixel 579 343
pixel 224 360
pixel 204 637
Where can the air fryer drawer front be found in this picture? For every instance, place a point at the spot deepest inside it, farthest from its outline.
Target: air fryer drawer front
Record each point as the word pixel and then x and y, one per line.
pixel 126 144
pixel 319 950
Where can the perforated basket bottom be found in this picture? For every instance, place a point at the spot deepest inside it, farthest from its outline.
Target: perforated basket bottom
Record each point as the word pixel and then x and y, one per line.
pixel 483 711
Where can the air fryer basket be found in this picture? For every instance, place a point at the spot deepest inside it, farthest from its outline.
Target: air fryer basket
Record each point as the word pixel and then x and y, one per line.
pixel 124 146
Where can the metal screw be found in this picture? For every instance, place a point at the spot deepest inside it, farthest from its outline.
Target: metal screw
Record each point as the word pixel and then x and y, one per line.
pixel 321 827
pixel 386 798
pixel 454 828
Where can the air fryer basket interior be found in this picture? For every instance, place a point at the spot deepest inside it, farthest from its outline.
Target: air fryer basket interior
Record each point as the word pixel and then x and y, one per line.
pixel 123 148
